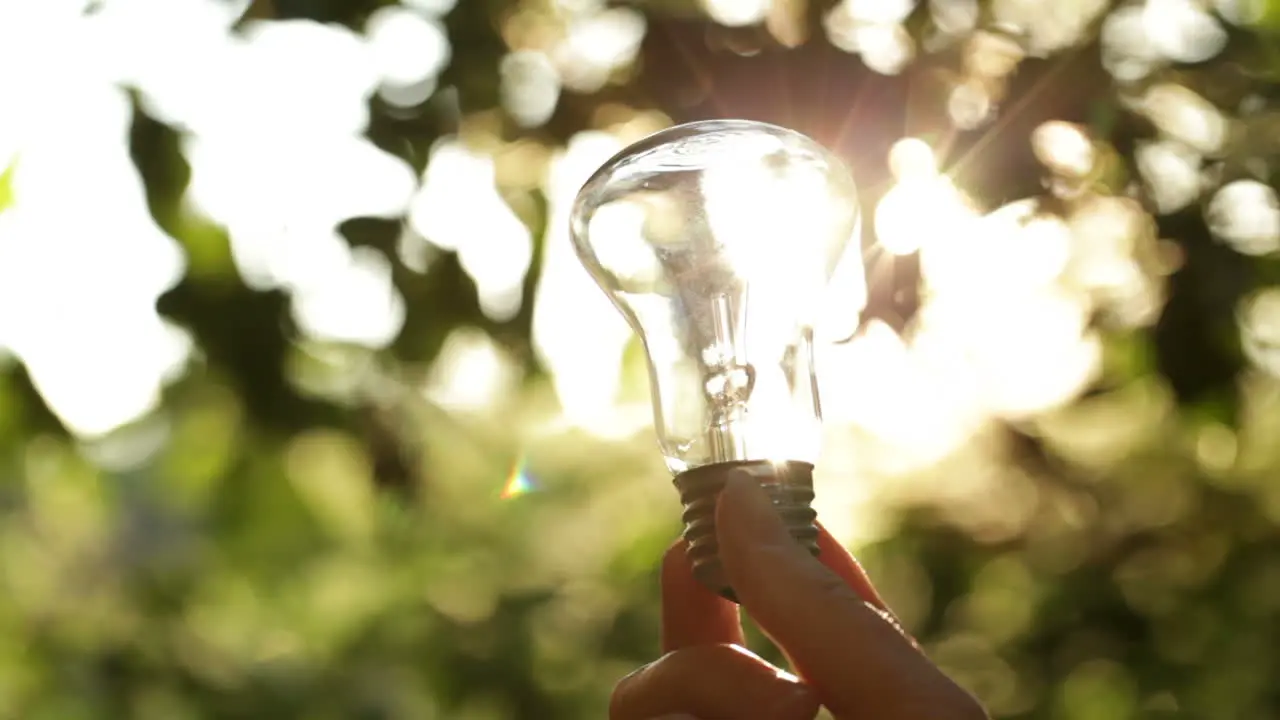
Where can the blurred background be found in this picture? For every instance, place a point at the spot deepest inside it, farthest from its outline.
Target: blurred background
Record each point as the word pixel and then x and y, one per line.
pixel 307 409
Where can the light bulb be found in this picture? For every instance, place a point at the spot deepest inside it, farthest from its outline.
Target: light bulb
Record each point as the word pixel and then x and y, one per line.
pixel 717 241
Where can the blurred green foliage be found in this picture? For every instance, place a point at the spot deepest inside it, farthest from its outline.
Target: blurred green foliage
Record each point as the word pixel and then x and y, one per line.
pixel 262 546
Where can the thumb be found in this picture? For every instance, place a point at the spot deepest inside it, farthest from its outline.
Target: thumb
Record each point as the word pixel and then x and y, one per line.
pixel 851 653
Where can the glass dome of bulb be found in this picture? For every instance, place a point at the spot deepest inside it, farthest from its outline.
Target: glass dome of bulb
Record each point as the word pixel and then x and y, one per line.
pixel 717 241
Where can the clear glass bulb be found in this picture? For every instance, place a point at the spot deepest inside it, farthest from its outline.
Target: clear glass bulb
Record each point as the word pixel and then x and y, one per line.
pixel 717 241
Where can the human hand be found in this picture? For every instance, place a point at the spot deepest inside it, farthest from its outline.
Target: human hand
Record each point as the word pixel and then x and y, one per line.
pixel 849 652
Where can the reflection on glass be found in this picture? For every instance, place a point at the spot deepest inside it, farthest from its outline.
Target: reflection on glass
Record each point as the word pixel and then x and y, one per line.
pixel 717 242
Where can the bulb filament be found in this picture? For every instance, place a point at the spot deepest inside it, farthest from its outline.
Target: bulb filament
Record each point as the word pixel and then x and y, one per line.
pixel 730 379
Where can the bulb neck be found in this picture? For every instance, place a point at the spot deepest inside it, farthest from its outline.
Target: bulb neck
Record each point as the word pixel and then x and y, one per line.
pixel 789 486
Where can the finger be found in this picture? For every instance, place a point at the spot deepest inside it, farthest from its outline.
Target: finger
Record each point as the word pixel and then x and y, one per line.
pixel 851 654
pixel 716 682
pixel 692 614
pixel 841 562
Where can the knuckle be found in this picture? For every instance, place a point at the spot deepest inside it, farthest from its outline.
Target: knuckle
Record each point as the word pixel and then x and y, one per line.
pixel 623 697
pixel 658 687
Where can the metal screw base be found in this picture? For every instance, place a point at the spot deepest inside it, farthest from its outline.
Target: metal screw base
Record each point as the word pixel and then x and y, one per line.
pixel 790 487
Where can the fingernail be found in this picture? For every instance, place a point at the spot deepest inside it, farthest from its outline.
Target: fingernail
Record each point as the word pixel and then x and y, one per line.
pixel 747 511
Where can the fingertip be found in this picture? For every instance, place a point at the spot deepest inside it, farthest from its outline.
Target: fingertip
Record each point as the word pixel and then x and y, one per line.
pixel 745 516
pixel 677 572
pixel 756 548
pixel 691 613
pixel 675 561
